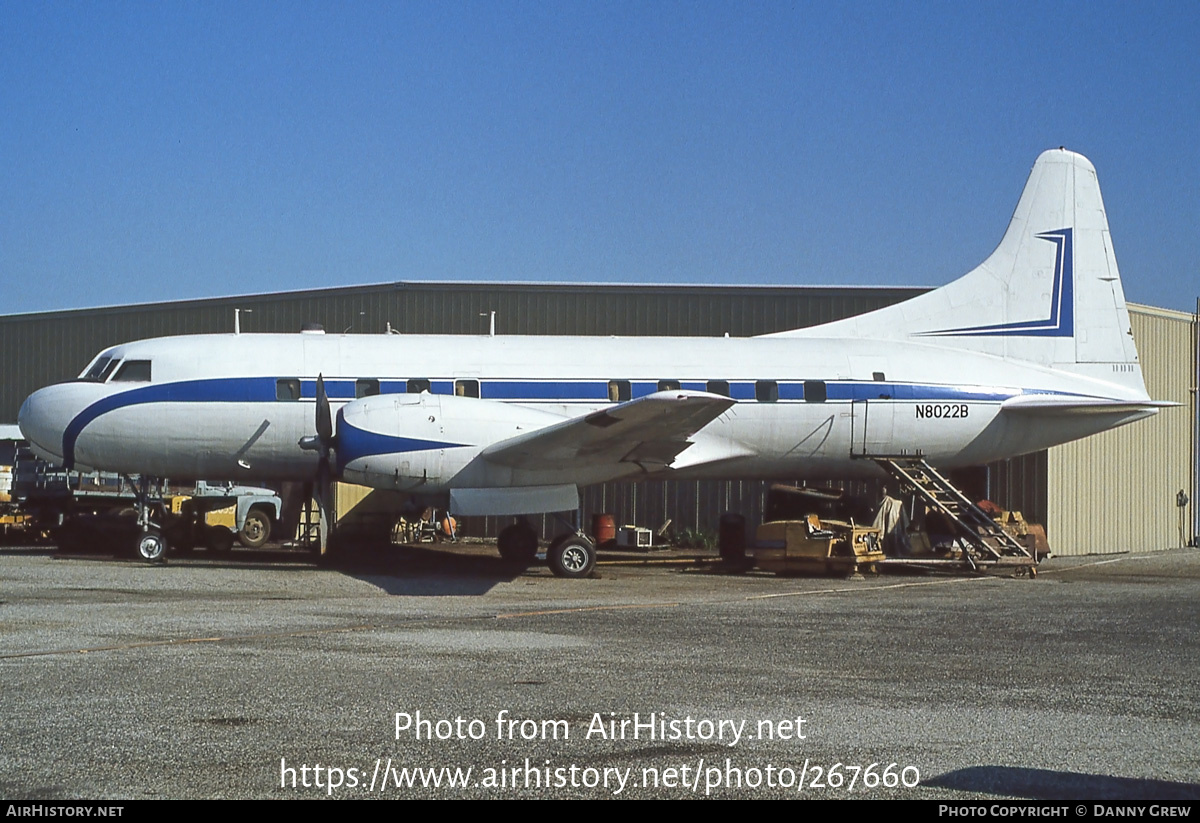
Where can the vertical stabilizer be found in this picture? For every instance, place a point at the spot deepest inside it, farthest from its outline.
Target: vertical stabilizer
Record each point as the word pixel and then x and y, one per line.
pixel 1049 294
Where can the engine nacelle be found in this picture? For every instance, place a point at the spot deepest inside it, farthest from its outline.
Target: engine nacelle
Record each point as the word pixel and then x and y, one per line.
pixel 420 442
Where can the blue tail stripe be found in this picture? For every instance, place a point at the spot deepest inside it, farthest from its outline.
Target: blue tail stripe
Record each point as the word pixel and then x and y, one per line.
pixel 1060 323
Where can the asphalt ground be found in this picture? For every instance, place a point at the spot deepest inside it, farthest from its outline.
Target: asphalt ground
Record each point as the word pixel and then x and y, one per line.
pixel 259 675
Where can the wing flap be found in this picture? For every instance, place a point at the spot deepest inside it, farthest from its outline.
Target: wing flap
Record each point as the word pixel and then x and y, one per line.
pixel 650 431
pixel 709 449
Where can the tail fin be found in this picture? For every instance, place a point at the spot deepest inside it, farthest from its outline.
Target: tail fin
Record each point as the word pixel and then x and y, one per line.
pixel 1050 293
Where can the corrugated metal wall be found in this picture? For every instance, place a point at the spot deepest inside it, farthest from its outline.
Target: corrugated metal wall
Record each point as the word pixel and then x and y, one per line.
pixel 39 349
pixel 1115 492
pixel 1019 485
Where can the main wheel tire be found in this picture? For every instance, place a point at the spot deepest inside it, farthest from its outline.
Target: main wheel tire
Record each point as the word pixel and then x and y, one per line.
pixel 72 537
pixel 218 539
pixel 179 537
pixel 517 543
pixel 152 546
pixel 572 556
pixel 256 530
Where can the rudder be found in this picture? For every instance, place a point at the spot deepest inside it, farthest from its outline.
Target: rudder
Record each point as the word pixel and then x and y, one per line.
pixel 1049 294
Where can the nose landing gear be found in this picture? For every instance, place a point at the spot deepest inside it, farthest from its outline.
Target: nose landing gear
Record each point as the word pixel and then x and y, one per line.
pixel 151 542
pixel 152 546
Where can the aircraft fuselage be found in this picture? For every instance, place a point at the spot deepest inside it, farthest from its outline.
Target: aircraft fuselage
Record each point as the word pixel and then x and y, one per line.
pixel 804 406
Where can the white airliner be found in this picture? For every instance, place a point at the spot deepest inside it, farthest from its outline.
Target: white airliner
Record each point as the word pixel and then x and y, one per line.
pixel 1031 349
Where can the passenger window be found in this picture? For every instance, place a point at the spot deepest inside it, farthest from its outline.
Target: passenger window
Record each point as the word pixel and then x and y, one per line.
pixel 814 391
pixel 668 385
pixel 287 388
pixel 466 388
pixel 766 391
pixel 720 387
pixel 366 388
pixel 418 385
pixel 619 391
pixel 133 371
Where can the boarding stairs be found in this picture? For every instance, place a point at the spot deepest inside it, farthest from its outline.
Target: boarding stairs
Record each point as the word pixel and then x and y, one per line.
pixel 986 543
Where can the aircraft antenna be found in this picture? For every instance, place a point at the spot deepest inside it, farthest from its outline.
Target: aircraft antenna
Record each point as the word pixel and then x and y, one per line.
pixel 237 319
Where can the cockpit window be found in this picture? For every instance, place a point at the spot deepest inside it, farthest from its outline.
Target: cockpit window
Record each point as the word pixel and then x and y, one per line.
pixel 97 369
pixel 104 366
pixel 133 371
pixel 112 364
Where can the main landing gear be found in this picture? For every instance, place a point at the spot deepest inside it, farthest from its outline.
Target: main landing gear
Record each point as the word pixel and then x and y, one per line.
pixel 569 555
pixel 518 543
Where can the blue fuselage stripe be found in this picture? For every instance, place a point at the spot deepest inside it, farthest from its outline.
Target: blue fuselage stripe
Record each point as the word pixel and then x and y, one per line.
pixel 221 390
pixel 548 390
pixel 263 390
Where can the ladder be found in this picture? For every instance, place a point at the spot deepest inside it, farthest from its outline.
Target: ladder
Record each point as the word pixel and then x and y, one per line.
pixel 308 531
pixel 990 543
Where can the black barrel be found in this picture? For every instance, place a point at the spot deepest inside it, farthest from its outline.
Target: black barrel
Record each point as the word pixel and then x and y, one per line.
pixel 731 537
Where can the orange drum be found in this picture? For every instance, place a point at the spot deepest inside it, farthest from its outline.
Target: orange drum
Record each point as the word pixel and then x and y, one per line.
pixel 604 529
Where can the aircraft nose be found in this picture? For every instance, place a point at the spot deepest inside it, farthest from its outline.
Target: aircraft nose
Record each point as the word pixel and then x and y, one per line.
pixel 44 417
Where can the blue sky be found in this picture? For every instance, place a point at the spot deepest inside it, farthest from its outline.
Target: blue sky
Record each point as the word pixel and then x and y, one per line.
pixel 157 151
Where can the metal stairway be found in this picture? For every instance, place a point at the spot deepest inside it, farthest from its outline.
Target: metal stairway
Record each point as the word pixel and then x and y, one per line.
pixel 988 543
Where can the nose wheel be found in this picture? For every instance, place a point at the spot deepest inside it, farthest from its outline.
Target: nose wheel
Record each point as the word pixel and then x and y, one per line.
pixel 152 546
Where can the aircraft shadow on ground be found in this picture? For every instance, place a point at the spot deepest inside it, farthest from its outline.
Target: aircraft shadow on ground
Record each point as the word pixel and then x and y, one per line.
pixel 1047 784
pixel 28 551
pixel 402 570
pixel 428 572
pixel 408 570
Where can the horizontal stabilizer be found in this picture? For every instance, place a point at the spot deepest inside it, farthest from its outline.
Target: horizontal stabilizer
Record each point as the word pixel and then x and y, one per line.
pixel 650 431
pixel 1057 405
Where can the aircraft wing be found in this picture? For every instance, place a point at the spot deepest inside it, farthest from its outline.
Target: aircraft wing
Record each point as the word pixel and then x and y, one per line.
pixel 650 431
pixel 1058 405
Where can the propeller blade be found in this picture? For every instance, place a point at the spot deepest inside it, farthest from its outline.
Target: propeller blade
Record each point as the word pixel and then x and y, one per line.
pixel 322 487
pixel 322 494
pixel 324 415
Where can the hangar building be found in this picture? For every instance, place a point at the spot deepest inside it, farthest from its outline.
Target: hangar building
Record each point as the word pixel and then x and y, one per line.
pixel 1115 492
